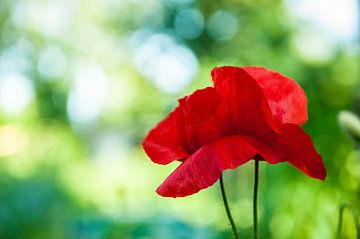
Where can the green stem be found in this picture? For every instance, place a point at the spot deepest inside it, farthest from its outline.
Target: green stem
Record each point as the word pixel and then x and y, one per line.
pixel 228 213
pixel 256 186
pixel 355 218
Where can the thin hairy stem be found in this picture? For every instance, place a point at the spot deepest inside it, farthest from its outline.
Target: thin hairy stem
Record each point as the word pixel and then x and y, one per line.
pixel 228 213
pixel 256 186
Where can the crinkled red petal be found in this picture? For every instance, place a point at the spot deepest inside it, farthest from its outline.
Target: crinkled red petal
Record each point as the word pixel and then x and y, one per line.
pixel 304 156
pixel 203 168
pixel 186 129
pixel 164 143
pixel 246 103
pixel 287 100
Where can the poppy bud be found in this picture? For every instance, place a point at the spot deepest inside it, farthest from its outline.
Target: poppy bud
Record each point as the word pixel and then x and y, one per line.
pixel 350 123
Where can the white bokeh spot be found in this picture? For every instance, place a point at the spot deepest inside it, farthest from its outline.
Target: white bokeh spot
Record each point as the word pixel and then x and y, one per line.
pixel 87 94
pixel 169 65
pixel 16 93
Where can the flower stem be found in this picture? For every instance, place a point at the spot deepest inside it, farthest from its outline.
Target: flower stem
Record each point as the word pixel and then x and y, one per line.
pixel 256 185
pixel 228 213
pixel 341 217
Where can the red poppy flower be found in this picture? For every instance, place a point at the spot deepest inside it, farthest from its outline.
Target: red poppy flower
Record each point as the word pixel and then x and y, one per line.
pixel 250 113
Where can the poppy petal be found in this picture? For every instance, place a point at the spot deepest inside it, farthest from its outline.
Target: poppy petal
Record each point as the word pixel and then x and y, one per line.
pixel 199 110
pixel 246 102
pixel 203 168
pixel 286 98
pixel 185 129
pixel 164 143
pixel 304 156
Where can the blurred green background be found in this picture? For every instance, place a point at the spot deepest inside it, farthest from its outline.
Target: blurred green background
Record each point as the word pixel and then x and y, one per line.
pixel 81 83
